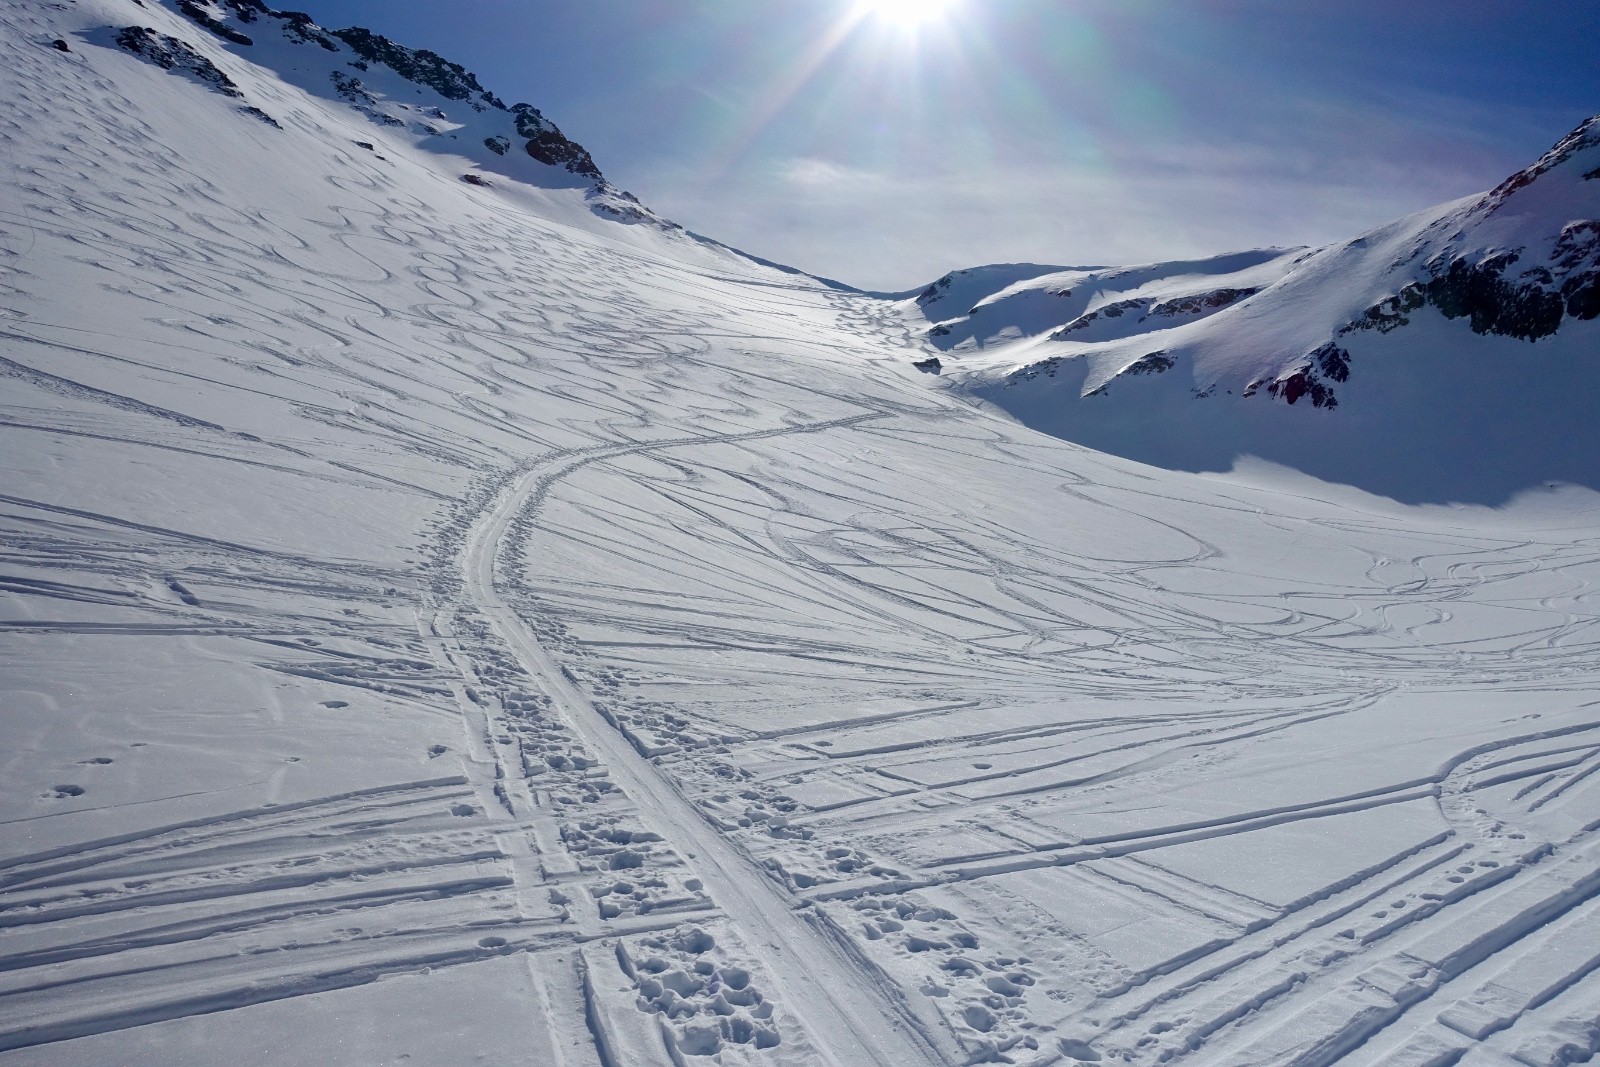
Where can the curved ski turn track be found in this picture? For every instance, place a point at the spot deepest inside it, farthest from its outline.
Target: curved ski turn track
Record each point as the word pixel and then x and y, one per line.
pixel 853 1018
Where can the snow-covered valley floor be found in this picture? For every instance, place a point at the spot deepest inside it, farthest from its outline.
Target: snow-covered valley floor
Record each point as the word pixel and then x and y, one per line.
pixel 444 627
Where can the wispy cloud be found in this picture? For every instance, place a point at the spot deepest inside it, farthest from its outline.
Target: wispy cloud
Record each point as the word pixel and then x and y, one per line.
pixel 821 174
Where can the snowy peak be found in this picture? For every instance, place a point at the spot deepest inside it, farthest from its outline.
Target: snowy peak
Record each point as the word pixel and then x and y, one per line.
pixel 1519 261
pixel 1411 339
pixel 1575 156
pixel 1525 255
pixel 411 93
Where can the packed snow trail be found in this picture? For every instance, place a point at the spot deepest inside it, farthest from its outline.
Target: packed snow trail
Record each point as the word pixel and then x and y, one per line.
pixel 850 1016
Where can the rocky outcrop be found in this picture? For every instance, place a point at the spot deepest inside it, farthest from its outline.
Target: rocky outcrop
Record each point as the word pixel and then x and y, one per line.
pixel 1202 303
pixel 1109 311
pixel 200 15
pixel 1496 301
pixel 1154 363
pixel 450 80
pixel 1191 306
pixel 1310 379
pixel 934 291
pixel 1503 294
pixel 169 53
pixel 549 145
pixel 541 138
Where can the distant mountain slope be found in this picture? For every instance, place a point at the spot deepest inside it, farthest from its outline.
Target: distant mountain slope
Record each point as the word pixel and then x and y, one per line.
pixel 1012 301
pixel 1462 339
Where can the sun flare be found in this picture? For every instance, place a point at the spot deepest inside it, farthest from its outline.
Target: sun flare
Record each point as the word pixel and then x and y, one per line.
pixel 904 13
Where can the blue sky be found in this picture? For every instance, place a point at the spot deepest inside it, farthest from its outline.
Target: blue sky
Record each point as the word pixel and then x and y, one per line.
pixel 1055 131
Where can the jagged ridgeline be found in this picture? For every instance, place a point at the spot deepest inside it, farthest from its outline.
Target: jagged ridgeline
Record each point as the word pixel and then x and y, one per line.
pixel 1520 262
pixel 239 22
pixel 1485 264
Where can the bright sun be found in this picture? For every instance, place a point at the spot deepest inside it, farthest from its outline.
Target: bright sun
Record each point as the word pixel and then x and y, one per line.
pixel 908 13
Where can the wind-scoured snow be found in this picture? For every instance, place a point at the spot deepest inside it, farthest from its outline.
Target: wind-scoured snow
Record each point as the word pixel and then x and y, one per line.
pixel 447 623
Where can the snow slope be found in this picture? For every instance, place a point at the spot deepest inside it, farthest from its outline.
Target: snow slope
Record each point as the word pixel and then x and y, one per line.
pixel 445 624
pixel 1442 337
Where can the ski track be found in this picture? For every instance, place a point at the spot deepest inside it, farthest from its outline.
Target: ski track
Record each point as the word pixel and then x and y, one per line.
pixel 848 1012
pixel 400 585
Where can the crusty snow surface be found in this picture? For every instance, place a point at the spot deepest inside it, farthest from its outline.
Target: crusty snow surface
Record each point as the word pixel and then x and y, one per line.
pixel 443 626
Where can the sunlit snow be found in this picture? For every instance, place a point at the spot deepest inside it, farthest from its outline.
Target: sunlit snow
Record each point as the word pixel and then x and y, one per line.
pixel 446 623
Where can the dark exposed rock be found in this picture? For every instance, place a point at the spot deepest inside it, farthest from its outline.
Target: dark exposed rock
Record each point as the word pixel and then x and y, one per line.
pixel 498 145
pixel 302 29
pixel 368 145
pixel 1592 175
pixel 1333 362
pixel 1109 311
pixel 606 199
pixel 1154 363
pixel 1329 361
pixel 59 45
pixel 351 89
pixel 1301 383
pixel 477 179
pixel 245 10
pixel 450 80
pixel 202 17
pixel 169 53
pixel 1391 312
pixel 1582 294
pixel 940 330
pixel 1494 304
pixel 931 365
pixel 554 149
pixel 1215 300
pixel 1194 304
pixel 1045 367
pixel 1502 294
pixel 550 146
pixel 1578 245
pixel 932 292
pixel 1577 253
pixel 257 113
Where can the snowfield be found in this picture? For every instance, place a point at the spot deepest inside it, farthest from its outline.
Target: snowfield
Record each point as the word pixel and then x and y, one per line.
pixel 453 622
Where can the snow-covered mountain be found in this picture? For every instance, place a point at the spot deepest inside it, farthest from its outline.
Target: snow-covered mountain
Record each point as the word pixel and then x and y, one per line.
pixel 414 95
pixel 441 622
pixel 1466 331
